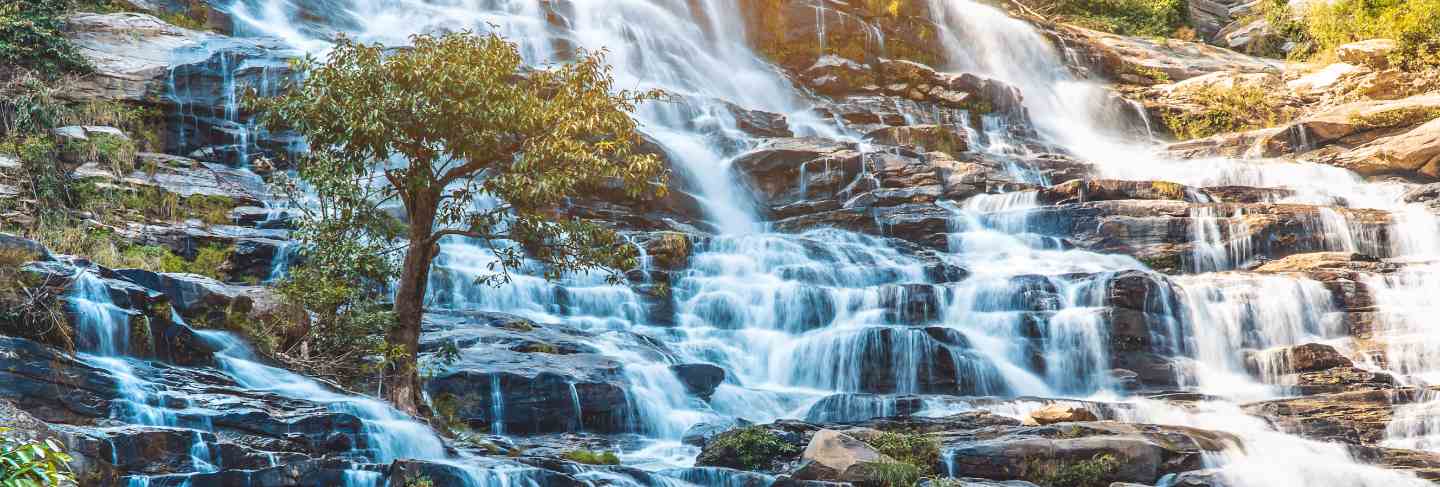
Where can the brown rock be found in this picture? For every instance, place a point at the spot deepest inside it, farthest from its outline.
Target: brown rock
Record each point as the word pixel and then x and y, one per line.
pixel 1058 413
pixel 1374 52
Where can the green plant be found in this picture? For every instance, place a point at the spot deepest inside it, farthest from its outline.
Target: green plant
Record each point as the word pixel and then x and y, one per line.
pixel 921 451
pixel 1221 110
pixel 420 482
pixel 751 447
pixel 1152 18
pixel 1411 23
pixel 29 307
pixel 591 457
pixel 473 123
pixel 1098 471
pixel 32 37
pixel 894 474
pixel 1400 117
pixel 41 463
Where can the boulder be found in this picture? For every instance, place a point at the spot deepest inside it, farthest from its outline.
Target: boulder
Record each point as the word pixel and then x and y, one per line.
pixel 1059 413
pixel 699 379
pixel 1106 451
pixel 1414 153
pixel 836 457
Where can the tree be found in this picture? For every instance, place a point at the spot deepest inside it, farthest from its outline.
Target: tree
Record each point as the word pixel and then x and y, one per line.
pixel 473 144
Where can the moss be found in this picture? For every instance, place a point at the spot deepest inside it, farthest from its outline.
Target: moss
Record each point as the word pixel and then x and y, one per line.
pixel 590 457
pixel 920 451
pixel 750 448
pixel 1402 117
pixel 1098 471
pixel 1223 110
pixel 537 347
pixel 140 335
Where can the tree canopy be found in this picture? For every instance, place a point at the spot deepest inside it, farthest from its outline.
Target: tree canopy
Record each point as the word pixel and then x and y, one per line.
pixel 468 142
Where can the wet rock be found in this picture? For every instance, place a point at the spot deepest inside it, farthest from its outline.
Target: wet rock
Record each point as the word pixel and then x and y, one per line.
pixel 924 138
pixel 851 408
pixel 1083 190
pixel 1359 418
pixel 1115 452
pixel 701 434
pixel 514 376
pixel 1309 357
pixel 699 379
pixel 797 34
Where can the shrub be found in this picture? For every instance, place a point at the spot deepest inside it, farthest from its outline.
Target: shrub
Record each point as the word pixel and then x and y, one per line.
pixel 31 37
pixel 1223 110
pixel 751 448
pixel 38 463
pixel 1155 18
pixel 590 457
pixel 1411 23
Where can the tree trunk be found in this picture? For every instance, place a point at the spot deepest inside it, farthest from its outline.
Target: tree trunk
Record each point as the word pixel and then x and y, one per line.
pixel 402 375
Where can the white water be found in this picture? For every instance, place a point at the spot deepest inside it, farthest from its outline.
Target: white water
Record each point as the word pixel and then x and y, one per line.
pixel 794 318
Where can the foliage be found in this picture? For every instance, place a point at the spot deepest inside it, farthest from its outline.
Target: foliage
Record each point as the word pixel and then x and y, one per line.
pixel 1154 18
pixel 33 464
pixel 1098 471
pixel 1401 117
pixel 1411 23
pixel 30 308
pixel 752 447
pixel 347 319
pixel 472 144
pixel 591 457
pixel 31 37
pixel 921 451
pixel 420 482
pixel 1227 109
pixel 894 474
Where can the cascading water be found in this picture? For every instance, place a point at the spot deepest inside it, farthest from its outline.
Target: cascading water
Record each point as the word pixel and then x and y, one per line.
pixel 795 319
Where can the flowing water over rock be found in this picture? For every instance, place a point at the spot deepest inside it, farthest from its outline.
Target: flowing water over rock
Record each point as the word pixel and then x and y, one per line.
pixel 840 273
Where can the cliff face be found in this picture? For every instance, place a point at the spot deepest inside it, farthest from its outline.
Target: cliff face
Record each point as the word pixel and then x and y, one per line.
pixel 956 224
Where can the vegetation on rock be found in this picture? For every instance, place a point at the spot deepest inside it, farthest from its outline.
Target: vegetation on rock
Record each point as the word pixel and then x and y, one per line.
pixel 918 450
pixel 31 37
pixel 1316 31
pixel 1227 109
pixel 1098 471
pixel 1152 18
pixel 749 448
pixel 591 457
pixel 490 150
